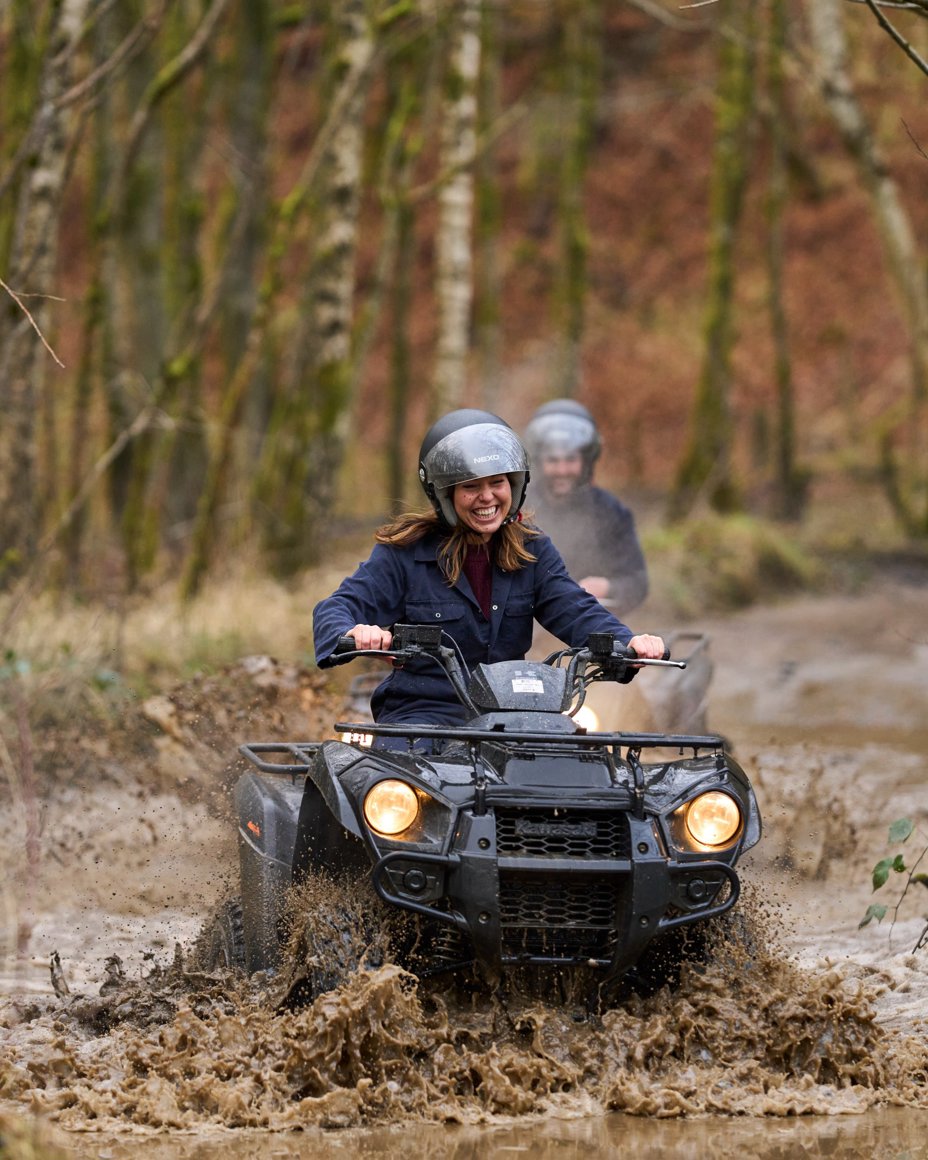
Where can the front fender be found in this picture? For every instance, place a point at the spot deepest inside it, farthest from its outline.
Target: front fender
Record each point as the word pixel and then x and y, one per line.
pixel 332 760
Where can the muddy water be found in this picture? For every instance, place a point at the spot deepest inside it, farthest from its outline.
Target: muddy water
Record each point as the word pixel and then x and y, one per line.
pixel 814 1044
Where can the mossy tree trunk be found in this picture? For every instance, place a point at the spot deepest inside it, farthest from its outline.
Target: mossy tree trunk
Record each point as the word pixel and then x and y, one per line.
pixel 136 320
pixel 180 449
pixel 155 219
pixel 244 217
pixel 412 90
pixel 305 446
pixel 790 481
pixel 580 86
pixel 24 28
pixel 906 482
pixel 286 222
pixel 706 467
pixel 31 276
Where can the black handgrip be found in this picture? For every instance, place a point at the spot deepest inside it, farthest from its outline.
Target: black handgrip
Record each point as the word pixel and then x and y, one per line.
pixel 632 655
pixel 345 644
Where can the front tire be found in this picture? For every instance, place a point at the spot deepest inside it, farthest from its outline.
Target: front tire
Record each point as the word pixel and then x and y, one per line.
pixel 337 928
pixel 222 944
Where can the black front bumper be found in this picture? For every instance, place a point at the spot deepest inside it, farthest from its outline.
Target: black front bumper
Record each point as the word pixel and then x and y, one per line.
pixel 587 887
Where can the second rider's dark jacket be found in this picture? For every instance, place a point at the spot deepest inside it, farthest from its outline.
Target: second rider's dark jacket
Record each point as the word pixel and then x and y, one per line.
pixel 406 586
pixel 596 534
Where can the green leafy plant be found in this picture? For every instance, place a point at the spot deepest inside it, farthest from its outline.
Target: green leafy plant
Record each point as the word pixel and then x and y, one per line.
pixel 899 832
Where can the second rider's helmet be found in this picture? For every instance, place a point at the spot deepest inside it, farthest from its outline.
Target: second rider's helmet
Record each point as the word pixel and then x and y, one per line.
pixel 470 444
pixel 564 427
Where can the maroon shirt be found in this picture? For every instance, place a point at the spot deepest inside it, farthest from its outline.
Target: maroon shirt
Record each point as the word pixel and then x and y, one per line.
pixel 477 570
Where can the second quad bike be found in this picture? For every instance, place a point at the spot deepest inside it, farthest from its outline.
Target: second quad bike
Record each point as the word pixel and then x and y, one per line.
pixel 516 839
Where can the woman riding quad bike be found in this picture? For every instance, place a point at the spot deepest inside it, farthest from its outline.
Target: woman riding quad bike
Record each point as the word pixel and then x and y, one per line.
pixel 510 835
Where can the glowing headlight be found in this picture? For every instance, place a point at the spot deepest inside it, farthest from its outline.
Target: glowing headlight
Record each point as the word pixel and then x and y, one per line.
pixel 391 806
pixel 587 719
pixel 713 818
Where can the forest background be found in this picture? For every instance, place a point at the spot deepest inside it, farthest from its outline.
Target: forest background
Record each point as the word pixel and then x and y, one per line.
pixel 249 250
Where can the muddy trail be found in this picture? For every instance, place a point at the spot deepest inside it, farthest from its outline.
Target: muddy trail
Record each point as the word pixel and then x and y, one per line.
pixel 801 1035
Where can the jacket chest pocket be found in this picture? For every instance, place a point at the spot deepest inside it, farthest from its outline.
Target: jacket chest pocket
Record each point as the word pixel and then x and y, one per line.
pixel 447 613
pixel 518 607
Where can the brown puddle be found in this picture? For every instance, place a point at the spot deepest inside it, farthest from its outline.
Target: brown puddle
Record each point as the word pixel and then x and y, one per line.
pixel 814 1046
pixel 746 1036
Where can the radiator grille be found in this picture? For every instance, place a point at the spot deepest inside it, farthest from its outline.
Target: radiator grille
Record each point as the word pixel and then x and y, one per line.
pixel 563 917
pixel 562 832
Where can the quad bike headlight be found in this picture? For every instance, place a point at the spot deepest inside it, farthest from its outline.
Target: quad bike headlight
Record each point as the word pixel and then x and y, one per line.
pixel 391 806
pixel 587 719
pixel 713 818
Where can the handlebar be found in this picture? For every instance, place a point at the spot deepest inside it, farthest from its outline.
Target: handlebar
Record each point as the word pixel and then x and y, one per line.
pixel 603 658
pixel 411 640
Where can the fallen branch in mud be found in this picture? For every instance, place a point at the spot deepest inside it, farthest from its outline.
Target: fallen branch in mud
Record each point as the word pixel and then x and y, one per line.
pixel 59 982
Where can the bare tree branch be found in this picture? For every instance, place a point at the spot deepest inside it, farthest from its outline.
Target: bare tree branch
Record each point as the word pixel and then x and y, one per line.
pixel 897 36
pixel 166 80
pixel 133 43
pixel 914 142
pixel 662 15
pixel 918 7
pixel 124 53
pixel 19 302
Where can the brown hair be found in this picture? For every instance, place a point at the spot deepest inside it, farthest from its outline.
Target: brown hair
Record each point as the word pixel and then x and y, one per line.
pixel 508 545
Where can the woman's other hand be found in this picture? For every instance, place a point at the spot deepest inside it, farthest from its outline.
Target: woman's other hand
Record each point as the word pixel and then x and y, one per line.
pixel 371 636
pixel 648 647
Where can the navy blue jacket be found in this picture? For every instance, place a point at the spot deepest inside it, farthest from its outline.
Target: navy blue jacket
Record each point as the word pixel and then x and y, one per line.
pixel 406 586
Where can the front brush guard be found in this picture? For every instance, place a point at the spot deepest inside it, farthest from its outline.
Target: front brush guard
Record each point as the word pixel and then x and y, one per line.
pixel 612 966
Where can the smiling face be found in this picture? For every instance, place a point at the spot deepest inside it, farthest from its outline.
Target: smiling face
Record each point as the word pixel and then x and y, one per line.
pixel 483 504
pixel 562 472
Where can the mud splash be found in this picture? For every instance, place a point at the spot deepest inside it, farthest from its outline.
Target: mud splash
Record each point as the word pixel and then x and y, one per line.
pixel 746 1034
pixel 813 1045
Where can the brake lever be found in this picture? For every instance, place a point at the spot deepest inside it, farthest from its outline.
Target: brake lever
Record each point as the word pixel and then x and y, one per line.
pixel 345 651
pixel 631 657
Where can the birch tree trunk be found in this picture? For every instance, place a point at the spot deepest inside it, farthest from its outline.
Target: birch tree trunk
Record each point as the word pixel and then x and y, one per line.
pixel 487 314
pixel 454 258
pixel 31 276
pixel 906 265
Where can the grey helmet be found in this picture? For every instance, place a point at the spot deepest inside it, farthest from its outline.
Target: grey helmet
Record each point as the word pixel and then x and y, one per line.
pixel 564 427
pixel 470 444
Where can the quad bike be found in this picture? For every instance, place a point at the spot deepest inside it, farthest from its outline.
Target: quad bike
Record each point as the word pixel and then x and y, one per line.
pixel 515 840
